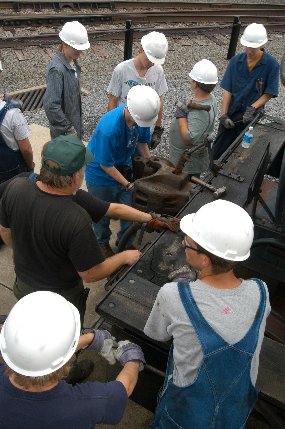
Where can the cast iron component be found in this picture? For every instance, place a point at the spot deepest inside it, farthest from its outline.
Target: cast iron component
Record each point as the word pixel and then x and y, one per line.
pixel 159 189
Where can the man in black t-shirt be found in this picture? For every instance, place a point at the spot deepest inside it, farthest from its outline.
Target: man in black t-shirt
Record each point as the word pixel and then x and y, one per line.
pixel 51 236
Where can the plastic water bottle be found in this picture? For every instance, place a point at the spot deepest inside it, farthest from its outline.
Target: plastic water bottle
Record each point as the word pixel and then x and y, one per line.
pixel 247 138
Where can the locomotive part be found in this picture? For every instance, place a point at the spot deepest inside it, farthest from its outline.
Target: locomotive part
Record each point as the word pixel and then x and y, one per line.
pixel 159 189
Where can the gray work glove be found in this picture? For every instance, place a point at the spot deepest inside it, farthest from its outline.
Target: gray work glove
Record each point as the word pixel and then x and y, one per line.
pixel 129 352
pixel 71 130
pixel 226 122
pixel 249 114
pixel 181 110
pixel 103 343
pixel 130 187
pixel 156 137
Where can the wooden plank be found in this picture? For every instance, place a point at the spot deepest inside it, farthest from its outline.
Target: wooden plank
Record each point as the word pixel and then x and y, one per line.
pixel 24 54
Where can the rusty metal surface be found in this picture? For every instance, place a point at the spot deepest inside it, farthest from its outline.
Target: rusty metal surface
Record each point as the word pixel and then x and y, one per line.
pixel 161 191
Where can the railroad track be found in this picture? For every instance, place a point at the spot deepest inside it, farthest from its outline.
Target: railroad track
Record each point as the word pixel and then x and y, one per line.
pixel 264 15
pixel 80 4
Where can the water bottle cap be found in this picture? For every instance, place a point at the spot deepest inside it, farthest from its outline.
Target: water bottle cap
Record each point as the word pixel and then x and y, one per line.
pixel 250 128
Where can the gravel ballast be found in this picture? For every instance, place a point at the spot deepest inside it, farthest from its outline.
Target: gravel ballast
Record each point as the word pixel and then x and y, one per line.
pixel 99 61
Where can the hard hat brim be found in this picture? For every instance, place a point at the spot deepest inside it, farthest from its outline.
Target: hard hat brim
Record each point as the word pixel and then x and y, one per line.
pixel 247 44
pixel 155 61
pixel 145 124
pixel 200 81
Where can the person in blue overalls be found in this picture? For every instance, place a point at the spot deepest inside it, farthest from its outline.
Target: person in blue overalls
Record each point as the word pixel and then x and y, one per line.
pixel 216 322
pixel 115 139
pixel 250 81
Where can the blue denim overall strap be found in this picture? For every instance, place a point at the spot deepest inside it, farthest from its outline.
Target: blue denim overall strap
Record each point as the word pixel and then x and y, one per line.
pixel 11 161
pixel 222 395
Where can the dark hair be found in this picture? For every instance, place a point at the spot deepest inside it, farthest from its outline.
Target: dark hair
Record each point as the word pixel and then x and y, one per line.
pixel 26 381
pixel 207 87
pixel 219 265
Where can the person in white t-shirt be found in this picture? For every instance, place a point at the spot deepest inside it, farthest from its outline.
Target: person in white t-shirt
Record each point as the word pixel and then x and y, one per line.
pixel 144 69
pixel 16 154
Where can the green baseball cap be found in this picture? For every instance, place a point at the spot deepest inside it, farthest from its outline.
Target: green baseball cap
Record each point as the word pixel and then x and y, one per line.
pixel 68 152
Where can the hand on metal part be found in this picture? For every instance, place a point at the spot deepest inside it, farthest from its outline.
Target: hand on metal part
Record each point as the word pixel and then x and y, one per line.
pixel 181 110
pixel 156 137
pixel 129 352
pixel 226 122
pixel 130 187
pixel 103 343
pixel 132 256
pixel 163 222
pixel 249 114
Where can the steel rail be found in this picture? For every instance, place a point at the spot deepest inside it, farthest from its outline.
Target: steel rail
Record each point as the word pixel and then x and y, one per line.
pixel 174 16
pixel 61 4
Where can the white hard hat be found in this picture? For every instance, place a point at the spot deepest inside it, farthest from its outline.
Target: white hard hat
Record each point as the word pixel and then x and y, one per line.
pixel 254 36
pixel 40 334
pixel 143 104
pixel 155 46
pixel 222 228
pixel 204 72
pixel 75 35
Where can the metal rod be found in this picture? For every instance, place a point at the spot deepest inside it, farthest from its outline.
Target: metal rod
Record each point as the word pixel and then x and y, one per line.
pixel 234 37
pixel 129 35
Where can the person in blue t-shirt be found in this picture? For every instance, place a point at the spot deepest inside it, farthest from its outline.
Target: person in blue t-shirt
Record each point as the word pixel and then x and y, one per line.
pixel 250 81
pixel 118 134
pixel 38 342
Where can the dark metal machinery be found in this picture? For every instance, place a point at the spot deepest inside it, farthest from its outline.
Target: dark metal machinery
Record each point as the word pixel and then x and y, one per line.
pixel 241 171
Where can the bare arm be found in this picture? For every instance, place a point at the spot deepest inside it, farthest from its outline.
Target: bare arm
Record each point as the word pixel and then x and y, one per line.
pixel 85 340
pixel 121 211
pixel 227 97
pixel 183 128
pixel 129 376
pixel 115 174
pixel 261 101
pixel 143 150
pixel 160 113
pixel 6 236
pixel 112 103
pixel 110 265
pixel 27 152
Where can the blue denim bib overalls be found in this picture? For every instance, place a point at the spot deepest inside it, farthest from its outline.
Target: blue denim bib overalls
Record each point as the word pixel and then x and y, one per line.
pixel 222 395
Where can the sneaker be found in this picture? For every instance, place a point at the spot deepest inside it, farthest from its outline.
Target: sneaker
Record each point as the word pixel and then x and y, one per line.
pixel 79 371
pixel 107 250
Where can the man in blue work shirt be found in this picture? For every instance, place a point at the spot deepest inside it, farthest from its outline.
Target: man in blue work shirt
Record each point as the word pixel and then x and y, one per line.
pixel 251 79
pixel 113 143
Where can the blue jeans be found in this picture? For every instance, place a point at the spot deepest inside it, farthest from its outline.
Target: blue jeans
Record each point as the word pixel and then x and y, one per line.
pixel 112 194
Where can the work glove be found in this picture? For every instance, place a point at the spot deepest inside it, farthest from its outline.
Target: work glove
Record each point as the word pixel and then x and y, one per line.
pixel 130 187
pixel 71 130
pixel 129 352
pixel 156 137
pixel 226 122
pixel 249 114
pixel 163 222
pixel 181 110
pixel 103 343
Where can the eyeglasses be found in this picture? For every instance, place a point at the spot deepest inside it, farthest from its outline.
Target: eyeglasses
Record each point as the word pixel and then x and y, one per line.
pixel 187 246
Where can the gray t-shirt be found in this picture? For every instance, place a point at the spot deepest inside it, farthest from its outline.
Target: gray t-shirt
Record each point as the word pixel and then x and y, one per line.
pixel 230 312
pixel 200 122
pixel 14 127
pixel 125 76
